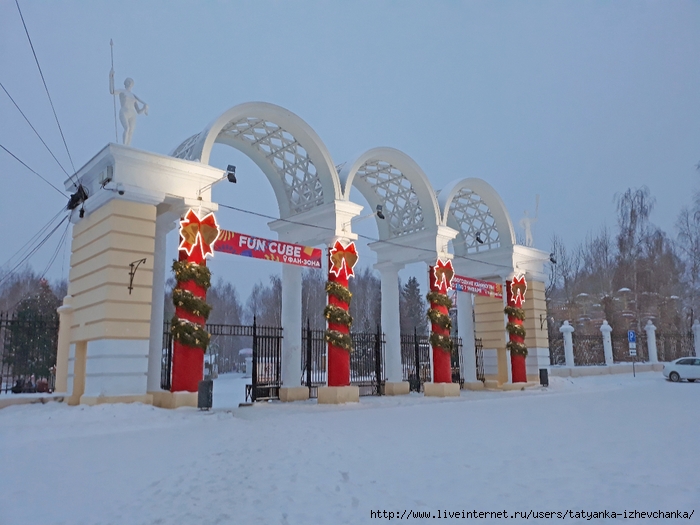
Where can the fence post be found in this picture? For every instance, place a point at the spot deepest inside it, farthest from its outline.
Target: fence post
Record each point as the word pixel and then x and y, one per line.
pixel 567 330
pixel 254 380
pixel 416 357
pixel 606 329
pixel 308 355
pixel 696 337
pixel 378 359
pixel 650 329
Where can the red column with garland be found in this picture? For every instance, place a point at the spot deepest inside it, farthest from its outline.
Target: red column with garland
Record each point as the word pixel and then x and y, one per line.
pixel 341 261
pixel 515 295
pixel 190 339
pixel 440 277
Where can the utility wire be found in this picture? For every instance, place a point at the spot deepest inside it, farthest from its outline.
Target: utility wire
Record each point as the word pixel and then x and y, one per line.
pixel 366 237
pixel 34 250
pixel 45 86
pixel 34 172
pixel 57 250
pixel 34 129
pixel 34 237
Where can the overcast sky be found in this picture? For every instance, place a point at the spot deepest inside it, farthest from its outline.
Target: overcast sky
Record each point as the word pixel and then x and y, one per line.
pixel 574 101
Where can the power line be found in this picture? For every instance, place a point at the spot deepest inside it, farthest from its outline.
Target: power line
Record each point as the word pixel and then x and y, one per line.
pixel 34 237
pixel 57 250
pixel 36 59
pixel 34 129
pixel 34 250
pixel 366 237
pixel 30 169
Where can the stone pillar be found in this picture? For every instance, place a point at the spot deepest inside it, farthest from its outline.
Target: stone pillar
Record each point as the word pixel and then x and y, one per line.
pixel 391 326
pixel 650 329
pixel 112 326
pixel 567 330
pixel 155 346
pixel 606 329
pixel 65 321
pixel 696 337
pixel 291 330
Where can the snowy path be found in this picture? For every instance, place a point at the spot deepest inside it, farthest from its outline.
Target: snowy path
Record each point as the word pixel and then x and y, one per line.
pixel 597 443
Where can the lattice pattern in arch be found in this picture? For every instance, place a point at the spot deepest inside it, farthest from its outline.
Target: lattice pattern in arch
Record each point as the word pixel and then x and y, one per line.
pixel 301 182
pixel 401 207
pixel 474 216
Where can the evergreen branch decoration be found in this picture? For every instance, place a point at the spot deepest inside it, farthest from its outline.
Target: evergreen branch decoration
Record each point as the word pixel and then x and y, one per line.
pixel 189 334
pixel 339 339
pixel 440 319
pixel 439 299
pixel 512 311
pixel 442 342
pixel 517 348
pixel 191 303
pixel 339 291
pixel 185 271
pixel 336 315
pixel 515 329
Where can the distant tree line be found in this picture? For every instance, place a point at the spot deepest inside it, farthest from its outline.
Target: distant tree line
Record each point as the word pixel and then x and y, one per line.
pixel 632 273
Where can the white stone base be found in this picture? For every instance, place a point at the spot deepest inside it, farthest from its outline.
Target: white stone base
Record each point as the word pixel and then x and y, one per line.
pixel 519 386
pixel 441 389
pixel 618 368
pixel 333 395
pixel 294 393
pixel 165 399
pixel 396 389
pixel 473 385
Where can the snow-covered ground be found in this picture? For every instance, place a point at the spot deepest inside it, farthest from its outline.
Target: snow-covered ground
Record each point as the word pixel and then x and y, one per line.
pixel 615 443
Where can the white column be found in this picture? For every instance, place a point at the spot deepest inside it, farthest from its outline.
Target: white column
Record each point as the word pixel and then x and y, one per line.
pixel 65 316
pixel 465 330
pixel 155 345
pixel 606 329
pixel 391 321
pixel 650 329
pixel 291 325
pixel 567 330
pixel 696 337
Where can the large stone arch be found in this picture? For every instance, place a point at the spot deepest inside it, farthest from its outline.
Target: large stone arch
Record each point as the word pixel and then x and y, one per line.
pixel 287 150
pixel 388 177
pixel 472 206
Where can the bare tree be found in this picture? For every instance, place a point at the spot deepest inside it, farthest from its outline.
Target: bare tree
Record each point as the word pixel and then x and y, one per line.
pixel 688 227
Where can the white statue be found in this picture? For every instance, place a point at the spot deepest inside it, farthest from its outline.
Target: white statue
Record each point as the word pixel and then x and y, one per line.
pixel 526 222
pixel 129 106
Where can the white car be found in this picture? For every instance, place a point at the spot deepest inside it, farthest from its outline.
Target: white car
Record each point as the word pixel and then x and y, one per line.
pixel 683 368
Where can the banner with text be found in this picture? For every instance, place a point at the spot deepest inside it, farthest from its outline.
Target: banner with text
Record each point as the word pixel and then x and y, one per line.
pixel 485 288
pixel 259 248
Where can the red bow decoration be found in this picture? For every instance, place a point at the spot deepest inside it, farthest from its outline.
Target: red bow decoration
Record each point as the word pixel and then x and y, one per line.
pixel 343 257
pixel 195 231
pixel 444 272
pixel 518 287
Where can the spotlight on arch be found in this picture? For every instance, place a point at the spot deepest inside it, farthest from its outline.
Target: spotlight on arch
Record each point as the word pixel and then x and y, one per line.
pixel 231 173
pixel 380 212
pixel 478 238
pixel 552 259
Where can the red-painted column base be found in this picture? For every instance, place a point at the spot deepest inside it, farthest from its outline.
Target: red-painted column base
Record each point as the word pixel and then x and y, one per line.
pixel 518 369
pixel 188 368
pixel 338 358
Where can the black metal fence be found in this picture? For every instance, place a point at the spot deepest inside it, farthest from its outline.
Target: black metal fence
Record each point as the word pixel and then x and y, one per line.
pixel 671 346
pixel 479 356
pixel 28 347
pixel 589 350
pixel 366 361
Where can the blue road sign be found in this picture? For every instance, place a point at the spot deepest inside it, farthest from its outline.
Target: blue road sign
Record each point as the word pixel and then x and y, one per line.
pixel 631 336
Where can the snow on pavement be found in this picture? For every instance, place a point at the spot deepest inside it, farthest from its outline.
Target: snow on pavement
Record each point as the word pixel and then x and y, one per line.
pixel 594 443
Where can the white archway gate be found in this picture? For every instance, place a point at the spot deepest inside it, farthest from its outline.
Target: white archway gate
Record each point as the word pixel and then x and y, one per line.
pixel 110 339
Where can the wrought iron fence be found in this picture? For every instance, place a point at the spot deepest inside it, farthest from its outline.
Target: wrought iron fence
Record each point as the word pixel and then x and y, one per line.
pixel 28 347
pixel 621 352
pixel 366 361
pixel 671 346
pixel 415 360
pixel 556 348
pixel 588 350
pixel 479 356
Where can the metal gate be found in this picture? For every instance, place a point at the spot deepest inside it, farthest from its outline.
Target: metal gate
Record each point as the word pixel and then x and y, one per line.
pixel 224 355
pixel 366 361
pixel 415 360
